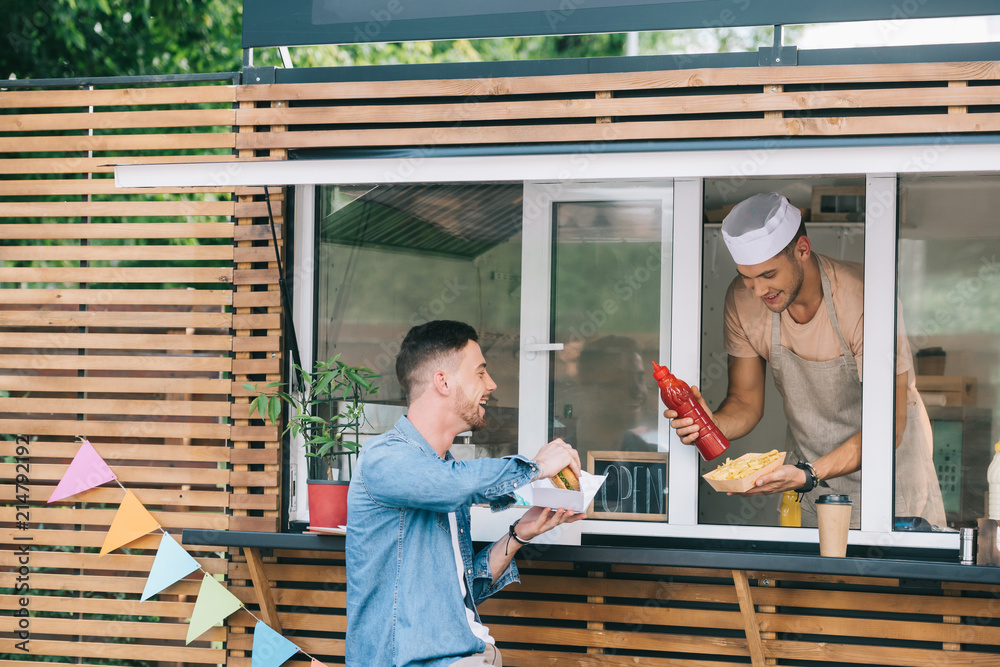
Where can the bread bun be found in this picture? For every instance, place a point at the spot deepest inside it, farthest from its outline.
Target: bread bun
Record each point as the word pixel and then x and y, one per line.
pixel 565 479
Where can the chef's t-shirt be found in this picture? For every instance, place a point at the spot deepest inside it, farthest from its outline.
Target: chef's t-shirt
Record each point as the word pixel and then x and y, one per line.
pixel 748 321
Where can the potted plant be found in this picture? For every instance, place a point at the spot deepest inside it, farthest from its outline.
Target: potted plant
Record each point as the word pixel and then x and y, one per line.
pixel 327 414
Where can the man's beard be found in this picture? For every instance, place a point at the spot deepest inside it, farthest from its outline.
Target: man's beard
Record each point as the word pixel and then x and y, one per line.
pixel 468 410
pixel 798 277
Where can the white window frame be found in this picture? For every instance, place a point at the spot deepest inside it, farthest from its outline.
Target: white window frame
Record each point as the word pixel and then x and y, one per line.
pixel 881 164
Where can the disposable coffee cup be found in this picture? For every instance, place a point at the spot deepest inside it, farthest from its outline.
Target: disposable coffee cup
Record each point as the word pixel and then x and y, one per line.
pixel 833 513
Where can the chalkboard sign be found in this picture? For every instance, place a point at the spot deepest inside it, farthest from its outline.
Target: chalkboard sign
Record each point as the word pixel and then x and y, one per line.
pixel 636 486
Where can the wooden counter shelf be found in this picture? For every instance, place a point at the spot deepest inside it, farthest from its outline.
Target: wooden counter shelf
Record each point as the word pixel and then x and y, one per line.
pixel 945 568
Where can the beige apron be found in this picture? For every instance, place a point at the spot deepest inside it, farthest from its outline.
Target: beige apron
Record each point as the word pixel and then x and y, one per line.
pixel 823 409
pixel 822 406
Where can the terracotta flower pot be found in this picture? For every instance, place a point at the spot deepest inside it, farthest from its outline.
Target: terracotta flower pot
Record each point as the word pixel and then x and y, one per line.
pixel 327 503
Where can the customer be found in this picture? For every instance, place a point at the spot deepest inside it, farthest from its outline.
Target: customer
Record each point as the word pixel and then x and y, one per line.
pixel 413 581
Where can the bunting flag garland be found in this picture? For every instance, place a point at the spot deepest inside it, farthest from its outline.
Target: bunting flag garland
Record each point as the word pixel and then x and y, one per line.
pixel 270 649
pixel 86 471
pixel 172 563
pixel 214 604
pixel 131 522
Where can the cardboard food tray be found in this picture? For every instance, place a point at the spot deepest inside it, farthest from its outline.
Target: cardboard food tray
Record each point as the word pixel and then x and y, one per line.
pixel 743 483
pixel 543 494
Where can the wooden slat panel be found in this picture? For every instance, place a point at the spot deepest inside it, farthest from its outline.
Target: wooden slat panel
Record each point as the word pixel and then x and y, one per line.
pixel 119 297
pixel 116 208
pixel 115 451
pixel 117 341
pixel 256 277
pixel 260 232
pixel 89 186
pixel 107 120
pixel 718 128
pixel 103 165
pixel 256 321
pixel 129 406
pixel 846 654
pixel 117 142
pixel 186 498
pixel 256 344
pixel 876 628
pixel 884 602
pixel 728 76
pixel 99 274
pixel 179 253
pixel 133 474
pixel 174 519
pixel 151 607
pixel 201 94
pixel 120 230
pixel 478 110
pixel 99 627
pixel 134 429
pixel 112 385
pixel 268 299
pixel 107 651
pixel 92 318
pixel 161 363
pixel 611 613
pixel 115 561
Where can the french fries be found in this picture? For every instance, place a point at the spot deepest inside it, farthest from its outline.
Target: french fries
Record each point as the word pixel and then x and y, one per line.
pixel 744 466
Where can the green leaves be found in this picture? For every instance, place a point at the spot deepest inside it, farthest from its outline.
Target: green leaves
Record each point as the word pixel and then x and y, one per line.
pixel 328 414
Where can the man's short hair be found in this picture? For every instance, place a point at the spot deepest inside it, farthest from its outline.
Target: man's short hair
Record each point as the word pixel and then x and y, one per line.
pixel 426 342
pixel 790 248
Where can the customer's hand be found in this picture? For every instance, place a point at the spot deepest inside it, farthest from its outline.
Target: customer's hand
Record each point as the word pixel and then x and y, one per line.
pixel 555 456
pixel 538 520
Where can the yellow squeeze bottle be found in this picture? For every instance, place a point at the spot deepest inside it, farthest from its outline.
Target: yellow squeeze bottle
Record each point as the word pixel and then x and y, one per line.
pixel 790 510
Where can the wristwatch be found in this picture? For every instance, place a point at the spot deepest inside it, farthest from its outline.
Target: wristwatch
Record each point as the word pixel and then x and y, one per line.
pixel 811 478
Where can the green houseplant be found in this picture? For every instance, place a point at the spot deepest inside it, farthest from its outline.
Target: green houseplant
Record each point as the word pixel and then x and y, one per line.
pixel 327 414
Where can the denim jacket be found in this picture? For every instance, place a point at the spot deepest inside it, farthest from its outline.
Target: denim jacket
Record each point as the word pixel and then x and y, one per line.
pixel 404 605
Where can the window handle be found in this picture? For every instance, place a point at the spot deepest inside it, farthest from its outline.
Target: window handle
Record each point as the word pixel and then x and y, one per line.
pixel 530 347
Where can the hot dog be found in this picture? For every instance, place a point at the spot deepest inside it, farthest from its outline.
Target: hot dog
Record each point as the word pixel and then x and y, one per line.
pixel 565 479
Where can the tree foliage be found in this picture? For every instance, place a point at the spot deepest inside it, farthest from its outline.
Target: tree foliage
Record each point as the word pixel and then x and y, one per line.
pixel 44 39
pixel 94 38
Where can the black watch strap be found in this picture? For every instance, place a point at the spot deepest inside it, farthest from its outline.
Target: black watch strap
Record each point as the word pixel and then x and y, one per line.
pixel 811 478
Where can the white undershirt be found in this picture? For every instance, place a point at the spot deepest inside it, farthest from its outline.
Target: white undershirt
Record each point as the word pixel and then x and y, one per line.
pixel 478 629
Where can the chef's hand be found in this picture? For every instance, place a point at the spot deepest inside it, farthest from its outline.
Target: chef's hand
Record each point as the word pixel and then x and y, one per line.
pixel 782 478
pixel 555 456
pixel 686 428
pixel 538 520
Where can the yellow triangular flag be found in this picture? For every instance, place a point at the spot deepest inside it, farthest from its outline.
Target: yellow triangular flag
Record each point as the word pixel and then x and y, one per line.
pixel 131 522
pixel 213 605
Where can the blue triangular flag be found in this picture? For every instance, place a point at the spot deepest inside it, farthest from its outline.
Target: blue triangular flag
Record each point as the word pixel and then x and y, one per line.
pixel 269 648
pixel 171 564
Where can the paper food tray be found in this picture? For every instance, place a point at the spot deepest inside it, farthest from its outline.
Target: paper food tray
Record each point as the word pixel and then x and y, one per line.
pixel 543 494
pixel 743 483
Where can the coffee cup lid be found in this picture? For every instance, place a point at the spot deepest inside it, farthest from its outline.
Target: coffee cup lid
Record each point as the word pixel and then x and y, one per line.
pixel 834 499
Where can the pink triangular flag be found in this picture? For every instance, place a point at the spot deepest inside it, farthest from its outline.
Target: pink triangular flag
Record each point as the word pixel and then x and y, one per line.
pixel 317 663
pixel 131 522
pixel 86 471
pixel 214 604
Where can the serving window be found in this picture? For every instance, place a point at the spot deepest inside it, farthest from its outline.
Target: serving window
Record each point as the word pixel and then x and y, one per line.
pixel 575 285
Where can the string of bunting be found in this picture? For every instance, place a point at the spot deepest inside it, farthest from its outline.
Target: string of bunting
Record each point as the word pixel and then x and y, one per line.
pixel 172 562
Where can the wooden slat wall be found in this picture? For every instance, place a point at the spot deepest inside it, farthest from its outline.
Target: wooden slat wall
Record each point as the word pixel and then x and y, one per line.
pixel 575 615
pixel 144 349
pixel 118 310
pixel 688 104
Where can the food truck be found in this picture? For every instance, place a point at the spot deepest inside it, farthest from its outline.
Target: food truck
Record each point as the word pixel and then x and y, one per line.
pixel 572 212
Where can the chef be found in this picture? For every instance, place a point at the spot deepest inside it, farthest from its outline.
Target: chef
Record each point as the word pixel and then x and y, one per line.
pixel 803 314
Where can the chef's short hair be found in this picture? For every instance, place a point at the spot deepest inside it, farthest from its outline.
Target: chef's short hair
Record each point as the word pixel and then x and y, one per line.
pixel 425 343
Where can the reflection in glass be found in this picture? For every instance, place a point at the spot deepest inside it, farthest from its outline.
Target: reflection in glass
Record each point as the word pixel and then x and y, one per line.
pixel 949 289
pixel 394 256
pixel 606 310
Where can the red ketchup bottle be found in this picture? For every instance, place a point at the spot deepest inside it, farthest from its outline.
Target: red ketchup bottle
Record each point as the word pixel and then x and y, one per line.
pixel 677 395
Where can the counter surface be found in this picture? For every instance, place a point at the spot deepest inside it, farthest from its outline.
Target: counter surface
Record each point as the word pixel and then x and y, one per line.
pixel 756 558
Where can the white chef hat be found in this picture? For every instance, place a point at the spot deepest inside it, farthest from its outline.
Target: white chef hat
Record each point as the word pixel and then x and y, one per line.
pixel 760 227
